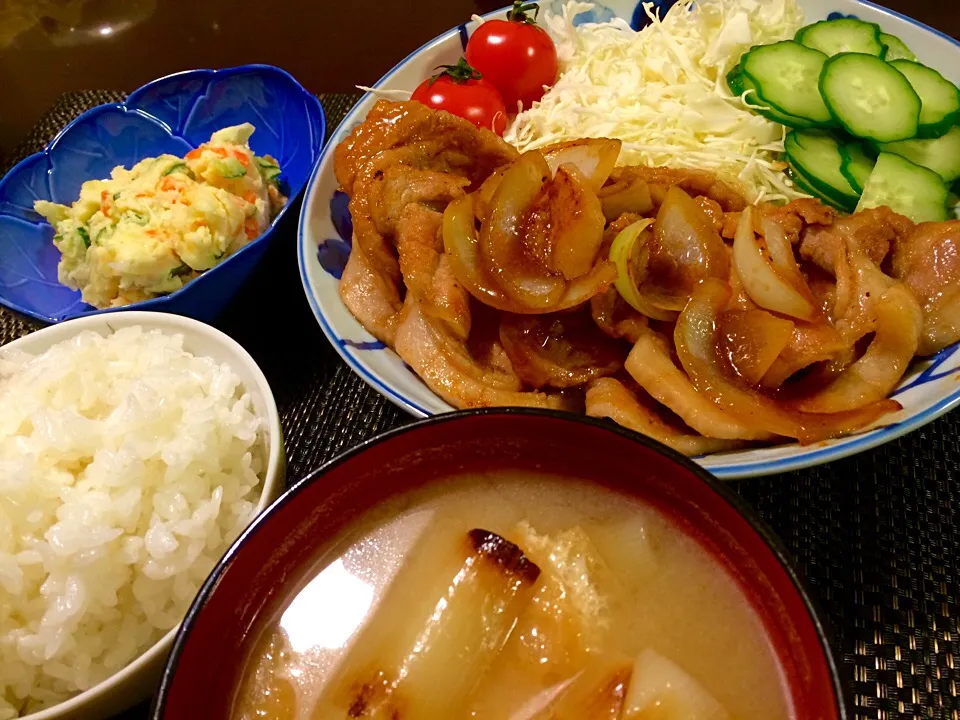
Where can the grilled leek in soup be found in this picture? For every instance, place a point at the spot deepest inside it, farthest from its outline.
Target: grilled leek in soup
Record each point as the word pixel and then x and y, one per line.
pixel 520 598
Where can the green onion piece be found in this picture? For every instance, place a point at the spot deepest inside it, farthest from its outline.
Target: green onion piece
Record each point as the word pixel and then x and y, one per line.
pixel 230 168
pixel 179 168
pixel 269 168
pixel 627 249
pixel 181 269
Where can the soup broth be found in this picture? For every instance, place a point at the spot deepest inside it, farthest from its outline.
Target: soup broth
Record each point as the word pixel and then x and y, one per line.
pixel 514 597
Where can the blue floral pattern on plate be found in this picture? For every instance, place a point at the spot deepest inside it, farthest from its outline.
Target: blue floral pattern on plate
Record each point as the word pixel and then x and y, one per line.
pixel 171 115
pixel 332 254
pixel 599 13
pixel 607 11
pixel 840 16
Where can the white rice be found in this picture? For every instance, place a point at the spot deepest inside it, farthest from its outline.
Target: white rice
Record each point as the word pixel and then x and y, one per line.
pixel 127 466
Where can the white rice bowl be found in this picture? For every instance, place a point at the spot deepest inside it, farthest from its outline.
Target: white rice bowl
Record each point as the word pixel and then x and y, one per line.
pixel 127 467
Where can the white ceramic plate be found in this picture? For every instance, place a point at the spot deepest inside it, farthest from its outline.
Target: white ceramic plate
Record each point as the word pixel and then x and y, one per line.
pixel 930 388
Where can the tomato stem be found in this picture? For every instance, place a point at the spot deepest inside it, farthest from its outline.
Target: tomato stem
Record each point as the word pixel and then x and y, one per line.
pixel 460 73
pixel 519 12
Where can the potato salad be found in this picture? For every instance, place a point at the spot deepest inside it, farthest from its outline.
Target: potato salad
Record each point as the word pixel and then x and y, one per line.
pixel 149 230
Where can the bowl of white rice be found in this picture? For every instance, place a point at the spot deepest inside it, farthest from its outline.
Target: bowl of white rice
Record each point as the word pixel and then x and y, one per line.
pixel 134 448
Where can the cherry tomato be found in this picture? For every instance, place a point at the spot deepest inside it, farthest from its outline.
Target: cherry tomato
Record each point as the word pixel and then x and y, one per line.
pixel 462 91
pixel 516 55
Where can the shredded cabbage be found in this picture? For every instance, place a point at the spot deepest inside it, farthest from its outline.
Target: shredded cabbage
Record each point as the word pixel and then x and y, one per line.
pixel 663 90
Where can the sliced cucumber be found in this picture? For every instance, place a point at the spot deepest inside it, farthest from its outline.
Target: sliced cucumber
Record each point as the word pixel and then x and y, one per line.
pixel 804 185
pixel 906 188
pixel 181 269
pixel 735 81
pixel 942 155
pixel 178 167
pixel 269 168
pixel 856 165
pixel 895 48
pixel 816 155
pixel 939 97
pixel 230 167
pixel 739 83
pixel 953 205
pixel 786 75
pixel 870 98
pixel 832 37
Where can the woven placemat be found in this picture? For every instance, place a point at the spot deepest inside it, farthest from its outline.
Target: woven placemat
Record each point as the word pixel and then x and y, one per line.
pixel 875 535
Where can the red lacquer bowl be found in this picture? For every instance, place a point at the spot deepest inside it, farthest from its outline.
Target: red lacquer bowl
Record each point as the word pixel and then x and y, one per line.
pixel 249 584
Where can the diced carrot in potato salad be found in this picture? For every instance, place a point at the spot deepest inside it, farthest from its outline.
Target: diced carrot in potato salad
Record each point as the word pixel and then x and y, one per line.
pixel 151 229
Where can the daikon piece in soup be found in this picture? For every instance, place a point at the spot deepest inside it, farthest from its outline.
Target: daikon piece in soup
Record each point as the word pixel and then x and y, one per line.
pixel 514 597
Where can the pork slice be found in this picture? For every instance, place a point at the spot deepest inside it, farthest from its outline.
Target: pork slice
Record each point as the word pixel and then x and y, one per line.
pixel 873 231
pixel 610 398
pixel 614 316
pixel 427 272
pixel 694 182
pixel 372 298
pixel 928 262
pixel 390 125
pixel 448 368
pixel 399 186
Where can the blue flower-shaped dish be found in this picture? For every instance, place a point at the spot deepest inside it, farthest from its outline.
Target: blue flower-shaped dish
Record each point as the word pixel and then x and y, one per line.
pixel 171 115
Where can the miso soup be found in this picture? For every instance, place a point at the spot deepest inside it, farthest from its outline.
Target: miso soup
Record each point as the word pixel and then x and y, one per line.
pixel 517 598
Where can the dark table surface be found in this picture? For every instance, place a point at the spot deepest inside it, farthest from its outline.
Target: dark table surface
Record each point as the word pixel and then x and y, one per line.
pixel 49 47
pixel 877 536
